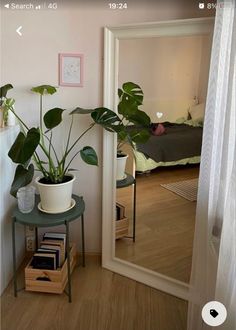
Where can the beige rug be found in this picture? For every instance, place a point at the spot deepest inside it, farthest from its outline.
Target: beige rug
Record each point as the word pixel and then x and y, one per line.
pixel 186 189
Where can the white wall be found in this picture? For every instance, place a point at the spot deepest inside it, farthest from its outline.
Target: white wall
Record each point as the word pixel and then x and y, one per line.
pixel 7 202
pixel 170 70
pixel 32 60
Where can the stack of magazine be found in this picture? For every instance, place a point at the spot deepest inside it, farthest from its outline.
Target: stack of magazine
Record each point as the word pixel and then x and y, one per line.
pixel 52 252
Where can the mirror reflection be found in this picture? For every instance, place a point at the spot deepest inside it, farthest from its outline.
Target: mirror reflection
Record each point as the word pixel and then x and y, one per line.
pixel 155 223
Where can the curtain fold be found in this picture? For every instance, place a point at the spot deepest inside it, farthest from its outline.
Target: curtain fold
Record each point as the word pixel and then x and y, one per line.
pixel 214 254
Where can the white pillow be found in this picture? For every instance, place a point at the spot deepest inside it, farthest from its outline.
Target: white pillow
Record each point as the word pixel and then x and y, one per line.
pixel 197 111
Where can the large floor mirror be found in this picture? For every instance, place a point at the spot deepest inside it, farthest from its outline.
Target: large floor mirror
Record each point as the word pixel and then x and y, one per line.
pixel 170 61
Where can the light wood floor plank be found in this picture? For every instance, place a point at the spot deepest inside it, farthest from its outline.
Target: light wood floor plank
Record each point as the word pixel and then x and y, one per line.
pixel 164 224
pixel 102 300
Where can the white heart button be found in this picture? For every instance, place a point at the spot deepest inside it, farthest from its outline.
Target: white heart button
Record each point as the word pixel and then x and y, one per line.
pixel 159 115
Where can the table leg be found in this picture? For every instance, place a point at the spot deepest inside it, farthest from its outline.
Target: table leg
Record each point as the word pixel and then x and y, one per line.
pixel 36 239
pixel 82 234
pixel 134 212
pixel 14 256
pixel 68 259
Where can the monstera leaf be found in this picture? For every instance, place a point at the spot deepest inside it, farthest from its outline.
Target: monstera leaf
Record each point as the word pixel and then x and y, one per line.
pixel 24 146
pixel 131 97
pixel 53 117
pixel 44 89
pixel 81 111
pixel 89 156
pixel 133 90
pixel 23 176
pixel 122 135
pixel 106 118
pixel 139 135
pixel 140 118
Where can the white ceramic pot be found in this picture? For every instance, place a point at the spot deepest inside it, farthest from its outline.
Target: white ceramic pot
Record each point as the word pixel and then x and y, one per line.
pixel 120 166
pixel 55 198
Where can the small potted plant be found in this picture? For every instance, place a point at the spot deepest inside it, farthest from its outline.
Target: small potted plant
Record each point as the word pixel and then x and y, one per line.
pixel 5 103
pixel 131 124
pixel 36 143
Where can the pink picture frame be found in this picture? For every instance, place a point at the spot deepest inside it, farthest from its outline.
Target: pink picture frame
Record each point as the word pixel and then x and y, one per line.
pixel 71 69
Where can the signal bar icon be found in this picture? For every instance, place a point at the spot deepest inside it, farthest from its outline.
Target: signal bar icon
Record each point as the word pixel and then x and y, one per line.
pixel 37 7
pixel 7 5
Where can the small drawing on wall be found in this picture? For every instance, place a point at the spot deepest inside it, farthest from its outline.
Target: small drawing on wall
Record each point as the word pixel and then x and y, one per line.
pixel 71 70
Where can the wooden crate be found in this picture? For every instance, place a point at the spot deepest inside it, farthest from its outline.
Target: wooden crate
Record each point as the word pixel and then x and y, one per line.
pixel 122 227
pixel 58 278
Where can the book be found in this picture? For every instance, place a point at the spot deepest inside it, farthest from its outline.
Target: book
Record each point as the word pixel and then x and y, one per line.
pixel 44 261
pixel 55 236
pixel 48 251
pixel 120 211
pixel 52 236
pixel 55 245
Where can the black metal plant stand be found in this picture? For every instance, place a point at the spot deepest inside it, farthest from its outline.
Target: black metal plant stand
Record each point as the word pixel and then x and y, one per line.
pixel 128 181
pixel 36 219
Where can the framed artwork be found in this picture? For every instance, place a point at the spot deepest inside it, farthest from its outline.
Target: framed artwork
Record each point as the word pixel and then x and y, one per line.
pixel 71 70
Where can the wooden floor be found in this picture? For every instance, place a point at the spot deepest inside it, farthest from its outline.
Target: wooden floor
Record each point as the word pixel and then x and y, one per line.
pixel 102 300
pixel 164 224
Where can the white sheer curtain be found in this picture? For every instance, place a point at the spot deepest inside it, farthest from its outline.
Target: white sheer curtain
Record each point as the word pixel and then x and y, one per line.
pixel 214 254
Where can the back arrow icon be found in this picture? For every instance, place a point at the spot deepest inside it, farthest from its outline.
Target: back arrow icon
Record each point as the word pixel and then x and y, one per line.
pixel 18 30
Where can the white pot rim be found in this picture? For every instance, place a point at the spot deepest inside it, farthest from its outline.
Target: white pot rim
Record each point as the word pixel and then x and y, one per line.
pixel 55 184
pixel 122 156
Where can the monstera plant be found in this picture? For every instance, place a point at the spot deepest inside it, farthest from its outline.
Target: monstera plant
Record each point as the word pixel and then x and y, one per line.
pixel 34 149
pixel 131 124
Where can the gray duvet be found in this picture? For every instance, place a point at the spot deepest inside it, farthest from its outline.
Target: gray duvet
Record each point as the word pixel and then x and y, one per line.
pixel 180 141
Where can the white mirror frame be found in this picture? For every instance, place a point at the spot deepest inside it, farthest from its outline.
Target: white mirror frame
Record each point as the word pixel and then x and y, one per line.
pixel 112 36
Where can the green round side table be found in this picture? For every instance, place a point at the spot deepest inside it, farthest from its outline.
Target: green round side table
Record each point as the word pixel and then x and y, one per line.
pixel 36 219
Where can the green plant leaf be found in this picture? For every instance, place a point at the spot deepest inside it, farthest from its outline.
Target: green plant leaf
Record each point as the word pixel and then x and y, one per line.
pixel 81 111
pixel 134 91
pixel 106 118
pixel 141 118
pixel 9 102
pixel 122 135
pixel 117 128
pixel 120 92
pixel 44 89
pixel 131 97
pixel 23 176
pixel 139 136
pixel 89 156
pixel 72 169
pixel 24 146
pixel 127 106
pixel 4 89
pixel 53 117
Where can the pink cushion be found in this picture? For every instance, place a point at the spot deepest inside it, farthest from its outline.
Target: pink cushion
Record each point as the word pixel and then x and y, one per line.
pixel 158 129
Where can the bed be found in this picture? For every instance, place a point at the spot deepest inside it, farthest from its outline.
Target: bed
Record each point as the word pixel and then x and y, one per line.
pixel 179 145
